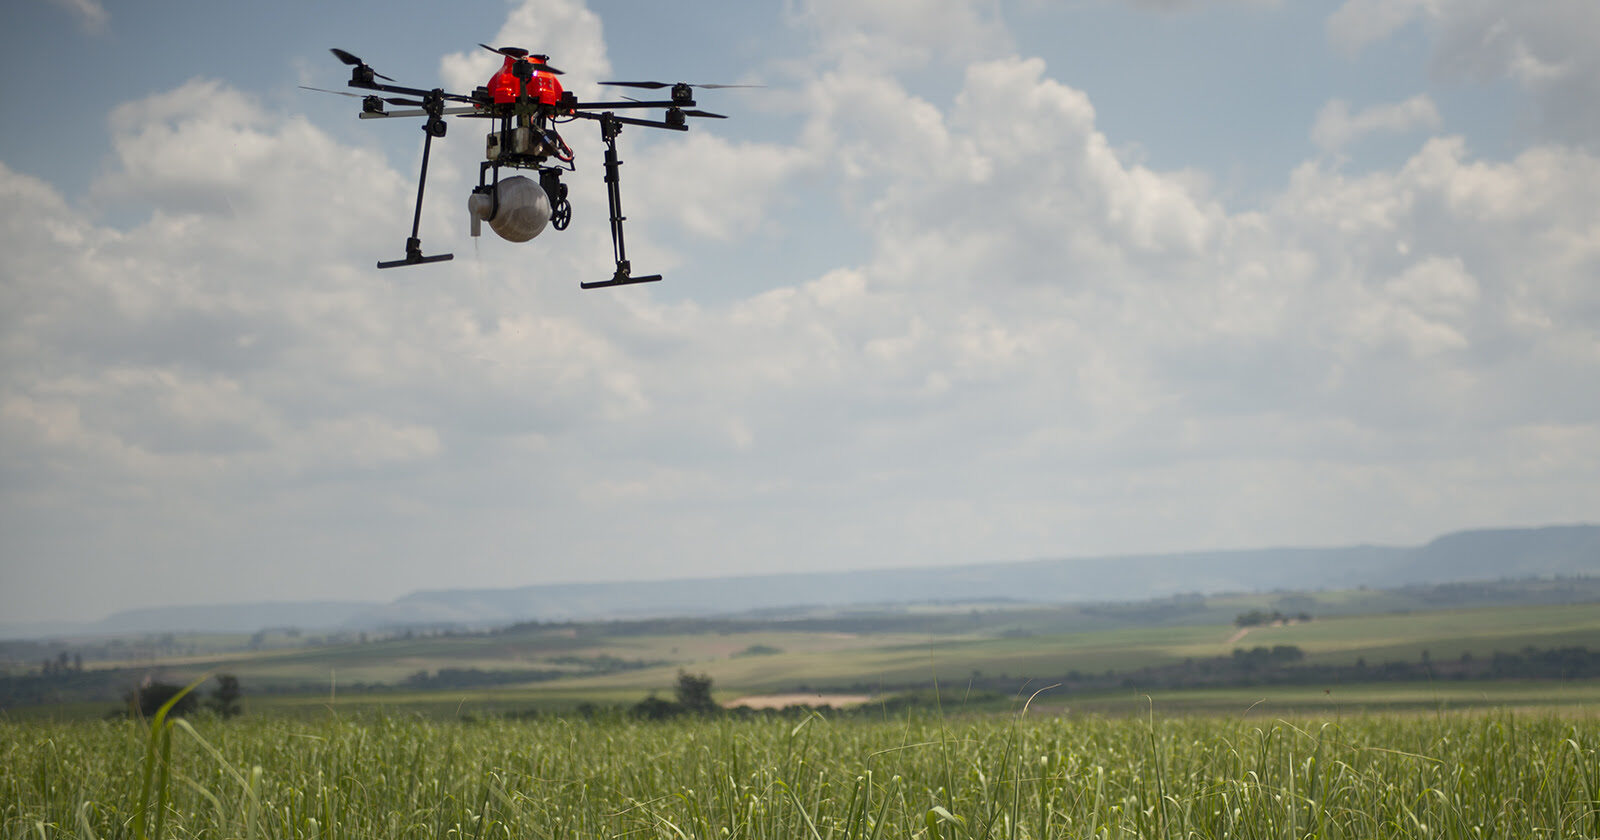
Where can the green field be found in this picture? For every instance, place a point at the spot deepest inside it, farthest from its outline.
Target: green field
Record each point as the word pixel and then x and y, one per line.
pixel 944 776
pixel 837 660
pixel 558 667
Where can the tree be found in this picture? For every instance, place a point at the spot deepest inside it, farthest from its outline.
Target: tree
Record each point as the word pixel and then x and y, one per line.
pixel 150 698
pixel 694 693
pixel 225 697
pixel 693 697
pixel 654 708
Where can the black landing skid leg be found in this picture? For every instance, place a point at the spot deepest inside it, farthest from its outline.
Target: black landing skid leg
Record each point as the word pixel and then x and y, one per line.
pixel 610 126
pixel 433 104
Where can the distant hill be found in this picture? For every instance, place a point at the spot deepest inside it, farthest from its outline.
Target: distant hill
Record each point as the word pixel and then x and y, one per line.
pixel 206 618
pixel 1463 556
pixel 1571 550
pixel 1488 555
pixel 1053 581
pixel 238 618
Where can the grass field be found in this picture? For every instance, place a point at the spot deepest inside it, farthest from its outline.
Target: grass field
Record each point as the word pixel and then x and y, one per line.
pixel 1424 759
pixel 943 776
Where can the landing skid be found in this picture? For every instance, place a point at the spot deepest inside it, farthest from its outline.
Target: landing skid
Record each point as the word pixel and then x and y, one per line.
pixel 621 278
pixel 414 256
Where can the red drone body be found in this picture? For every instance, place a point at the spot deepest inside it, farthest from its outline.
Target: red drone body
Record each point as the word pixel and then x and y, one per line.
pixel 543 88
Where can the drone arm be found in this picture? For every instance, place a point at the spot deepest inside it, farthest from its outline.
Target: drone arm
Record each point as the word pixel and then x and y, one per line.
pixel 415 112
pixel 613 118
pixel 630 103
pixel 357 82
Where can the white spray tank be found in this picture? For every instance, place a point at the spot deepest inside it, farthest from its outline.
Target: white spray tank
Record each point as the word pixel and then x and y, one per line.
pixel 516 208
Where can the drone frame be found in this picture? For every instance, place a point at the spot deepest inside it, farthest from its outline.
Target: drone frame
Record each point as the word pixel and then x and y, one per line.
pixel 537 115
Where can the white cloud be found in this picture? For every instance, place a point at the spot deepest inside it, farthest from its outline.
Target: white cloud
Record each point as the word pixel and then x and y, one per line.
pixel 1546 47
pixel 709 186
pixel 1336 127
pixel 1358 23
pixel 1186 5
pixel 91 13
pixel 905 34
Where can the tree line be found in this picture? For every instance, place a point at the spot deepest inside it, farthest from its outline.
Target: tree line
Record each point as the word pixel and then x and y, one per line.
pixel 1284 665
pixel 1262 618
pixel 146 700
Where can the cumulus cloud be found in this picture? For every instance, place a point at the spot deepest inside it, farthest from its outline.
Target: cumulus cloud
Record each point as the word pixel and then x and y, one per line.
pixel 901 34
pixel 1336 127
pixel 1357 23
pixel 718 201
pixel 1546 48
pixel 1185 5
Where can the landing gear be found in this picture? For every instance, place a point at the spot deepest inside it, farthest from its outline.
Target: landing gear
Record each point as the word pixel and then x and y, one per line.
pixel 610 127
pixel 433 106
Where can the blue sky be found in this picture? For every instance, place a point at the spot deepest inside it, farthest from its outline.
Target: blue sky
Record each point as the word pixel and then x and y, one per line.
pixel 967 281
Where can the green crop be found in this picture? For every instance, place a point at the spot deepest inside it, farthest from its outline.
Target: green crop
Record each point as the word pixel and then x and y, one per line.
pixel 1496 775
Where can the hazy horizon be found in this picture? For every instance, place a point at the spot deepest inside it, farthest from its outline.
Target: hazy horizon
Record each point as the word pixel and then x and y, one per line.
pixel 1480 555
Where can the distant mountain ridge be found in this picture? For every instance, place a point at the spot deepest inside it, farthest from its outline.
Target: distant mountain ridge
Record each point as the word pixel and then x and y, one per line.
pixel 205 618
pixel 1565 550
pixel 1460 556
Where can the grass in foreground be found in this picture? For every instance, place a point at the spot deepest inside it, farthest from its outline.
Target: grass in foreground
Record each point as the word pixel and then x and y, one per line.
pixel 981 778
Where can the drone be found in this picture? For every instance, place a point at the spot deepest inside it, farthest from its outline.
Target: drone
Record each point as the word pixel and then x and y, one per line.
pixel 524 102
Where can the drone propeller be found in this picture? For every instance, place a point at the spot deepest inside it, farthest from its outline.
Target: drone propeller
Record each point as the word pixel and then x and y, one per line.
pixel 659 85
pixel 392 100
pixel 351 60
pixel 514 52
pixel 520 53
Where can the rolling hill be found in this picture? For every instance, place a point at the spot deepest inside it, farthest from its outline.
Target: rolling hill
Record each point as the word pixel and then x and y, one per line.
pixel 1570 550
pixel 1462 556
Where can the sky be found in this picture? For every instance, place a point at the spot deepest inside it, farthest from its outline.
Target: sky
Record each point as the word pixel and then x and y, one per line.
pixel 965 281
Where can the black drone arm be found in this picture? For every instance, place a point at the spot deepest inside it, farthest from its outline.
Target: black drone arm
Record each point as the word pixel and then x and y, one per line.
pixel 462 111
pixel 608 116
pixel 628 103
pixel 416 92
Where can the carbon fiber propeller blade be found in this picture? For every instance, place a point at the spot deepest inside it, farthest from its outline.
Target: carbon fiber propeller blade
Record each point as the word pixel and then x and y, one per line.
pixel 392 100
pixel 659 85
pixel 518 52
pixel 351 60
